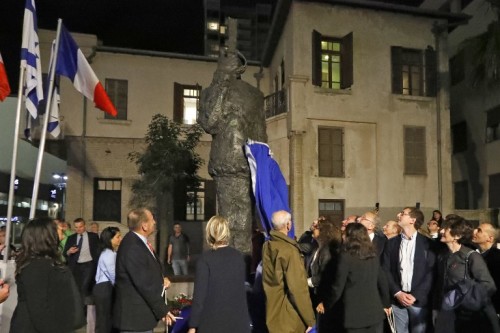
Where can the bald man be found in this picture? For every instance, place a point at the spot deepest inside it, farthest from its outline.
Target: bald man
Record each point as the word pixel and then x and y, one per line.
pixel 347 220
pixel 485 236
pixel 370 221
pixel 391 229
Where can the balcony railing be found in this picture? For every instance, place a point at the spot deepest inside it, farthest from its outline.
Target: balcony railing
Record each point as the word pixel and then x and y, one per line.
pixel 275 104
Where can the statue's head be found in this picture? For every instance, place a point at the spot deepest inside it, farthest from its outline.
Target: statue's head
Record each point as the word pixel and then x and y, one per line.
pixel 231 62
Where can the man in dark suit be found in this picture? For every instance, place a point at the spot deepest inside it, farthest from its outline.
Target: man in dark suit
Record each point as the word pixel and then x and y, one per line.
pixel 408 261
pixel 370 220
pixel 485 237
pixel 82 251
pixel 140 285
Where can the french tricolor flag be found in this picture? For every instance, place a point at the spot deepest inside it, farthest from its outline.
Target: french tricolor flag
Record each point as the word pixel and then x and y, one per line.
pixel 72 63
pixel 4 83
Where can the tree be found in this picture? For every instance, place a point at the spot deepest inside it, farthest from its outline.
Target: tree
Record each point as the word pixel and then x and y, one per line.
pixel 169 157
pixel 485 49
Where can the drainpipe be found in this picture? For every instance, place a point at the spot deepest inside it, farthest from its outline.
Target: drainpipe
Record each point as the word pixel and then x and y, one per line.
pixel 442 99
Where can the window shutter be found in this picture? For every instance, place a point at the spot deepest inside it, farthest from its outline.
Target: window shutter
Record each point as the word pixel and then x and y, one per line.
pixel 316 58
pixel 431 71
pixel 415 151
pixel 331 152
pixel 397 77
pixel 178 103
pixel 346 50
pixel 210 199
pixel 117 91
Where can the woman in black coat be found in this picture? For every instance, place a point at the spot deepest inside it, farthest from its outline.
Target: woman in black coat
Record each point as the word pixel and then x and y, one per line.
pixel 451 270
pixel 45 286
pixel 321 273
pixel 361 283
pixel 219 299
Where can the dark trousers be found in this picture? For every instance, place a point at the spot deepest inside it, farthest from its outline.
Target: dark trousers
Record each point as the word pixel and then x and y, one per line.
pixel 103 299
pixel 84 274
pixel 377 328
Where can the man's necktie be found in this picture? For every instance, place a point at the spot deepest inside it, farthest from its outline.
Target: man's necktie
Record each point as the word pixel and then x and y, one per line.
pixel 80 242
pixel 151 248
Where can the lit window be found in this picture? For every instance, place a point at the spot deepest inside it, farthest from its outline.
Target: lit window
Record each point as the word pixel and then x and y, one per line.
pixel 332 61
pixel 186 100
pixel 413 71
pixel 213 26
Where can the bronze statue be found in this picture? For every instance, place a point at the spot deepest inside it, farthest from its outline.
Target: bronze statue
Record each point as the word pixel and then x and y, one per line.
pixel 232 111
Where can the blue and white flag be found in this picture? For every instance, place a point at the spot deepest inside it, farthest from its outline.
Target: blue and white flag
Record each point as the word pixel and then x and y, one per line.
pixel 30 59
pixel 53 127
pixel 269 185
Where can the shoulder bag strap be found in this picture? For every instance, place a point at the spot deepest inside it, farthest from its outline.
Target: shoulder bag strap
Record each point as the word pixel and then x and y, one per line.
pixel 467 264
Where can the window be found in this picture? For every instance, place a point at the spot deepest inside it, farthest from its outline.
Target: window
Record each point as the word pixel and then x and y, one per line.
pixel 415 151
pixel 459 133
pixel 332 61
pixel 461 190
pixel 118 93
pixel 414 71
pixel 186 100
pixel 493 124
pixel 457 68
pixel 332 210
pixel 107 199
pixel 494 191
pixel 194 204
pixel 331 152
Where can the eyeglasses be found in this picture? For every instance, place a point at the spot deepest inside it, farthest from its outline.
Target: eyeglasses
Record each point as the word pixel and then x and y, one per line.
pixel 403 213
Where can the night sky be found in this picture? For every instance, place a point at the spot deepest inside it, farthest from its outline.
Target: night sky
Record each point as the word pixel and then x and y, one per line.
pixel 160 25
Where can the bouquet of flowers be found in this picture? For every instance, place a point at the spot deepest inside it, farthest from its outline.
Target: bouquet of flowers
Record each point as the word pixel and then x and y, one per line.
pixel 179 302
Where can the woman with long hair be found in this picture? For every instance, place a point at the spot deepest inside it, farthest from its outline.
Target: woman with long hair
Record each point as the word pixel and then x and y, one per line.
pixel 105 279
pixel 451 269
pixel 219 299
pixel 322 270
pixel 44 284
pixel 365 297
pixel 438 217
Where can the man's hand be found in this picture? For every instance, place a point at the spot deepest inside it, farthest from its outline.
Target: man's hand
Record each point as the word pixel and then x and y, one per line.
pixel 169 319
pixel 169 261
pixel 405 299
pixel 308 329
pixel 72 250
pixel 4 291
pixel 320 308
pixel 166 282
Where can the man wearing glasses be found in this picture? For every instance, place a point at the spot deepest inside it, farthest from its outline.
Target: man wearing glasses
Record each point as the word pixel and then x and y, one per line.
pixel 409 263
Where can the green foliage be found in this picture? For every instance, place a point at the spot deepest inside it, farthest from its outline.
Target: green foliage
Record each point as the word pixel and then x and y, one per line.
pixel 485 51
pixel 169 156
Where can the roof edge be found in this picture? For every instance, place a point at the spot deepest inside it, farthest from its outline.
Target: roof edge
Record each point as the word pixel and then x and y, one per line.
pixel 283 8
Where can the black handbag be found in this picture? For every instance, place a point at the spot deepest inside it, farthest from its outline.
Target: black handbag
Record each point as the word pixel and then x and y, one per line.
pixel 467 294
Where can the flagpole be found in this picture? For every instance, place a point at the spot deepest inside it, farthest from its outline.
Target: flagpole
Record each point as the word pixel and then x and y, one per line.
pixel 10 204
pixel 41 148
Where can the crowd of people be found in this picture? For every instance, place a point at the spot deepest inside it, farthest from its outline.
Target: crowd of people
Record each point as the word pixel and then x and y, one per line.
pixel 402 272
pixel 354 276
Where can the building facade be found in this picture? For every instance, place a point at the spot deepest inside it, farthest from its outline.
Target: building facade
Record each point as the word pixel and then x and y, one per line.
pixel 475 116
pixel 355 116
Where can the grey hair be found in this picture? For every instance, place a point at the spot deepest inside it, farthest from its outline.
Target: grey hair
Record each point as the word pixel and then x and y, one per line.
pixel 280 219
